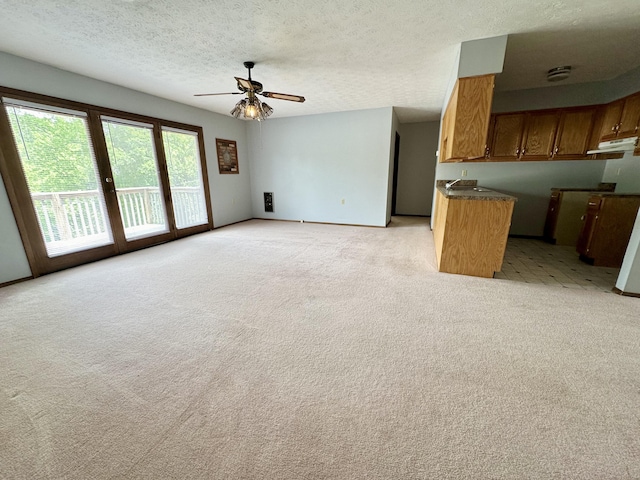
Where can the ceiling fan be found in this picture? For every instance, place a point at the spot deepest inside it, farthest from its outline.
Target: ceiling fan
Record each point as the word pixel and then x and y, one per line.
pixel 251 107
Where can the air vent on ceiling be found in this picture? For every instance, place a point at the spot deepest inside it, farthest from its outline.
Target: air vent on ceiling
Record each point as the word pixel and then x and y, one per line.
pixel 558 73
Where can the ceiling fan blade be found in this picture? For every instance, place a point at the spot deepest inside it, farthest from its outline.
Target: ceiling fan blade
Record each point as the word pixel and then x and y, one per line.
pixel 244 84
pixel 211 94
pixel 283 96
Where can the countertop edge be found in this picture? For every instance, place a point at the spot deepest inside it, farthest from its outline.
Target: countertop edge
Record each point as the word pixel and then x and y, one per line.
pixel 466 194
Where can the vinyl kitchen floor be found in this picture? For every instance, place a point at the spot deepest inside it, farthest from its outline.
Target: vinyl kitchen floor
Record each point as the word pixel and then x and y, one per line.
pixel 535 261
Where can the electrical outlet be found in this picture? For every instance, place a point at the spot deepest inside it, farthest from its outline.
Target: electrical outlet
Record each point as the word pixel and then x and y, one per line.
pixel 342 201
pixel 464 173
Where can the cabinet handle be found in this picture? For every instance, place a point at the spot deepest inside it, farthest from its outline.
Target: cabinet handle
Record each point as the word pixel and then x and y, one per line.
pixel 582 217
pixel 556 150
pixel 592 204
pixel 517 152
pixel 523 151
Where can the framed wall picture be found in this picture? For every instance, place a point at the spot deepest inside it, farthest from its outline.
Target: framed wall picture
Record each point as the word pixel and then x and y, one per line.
pixel 227 156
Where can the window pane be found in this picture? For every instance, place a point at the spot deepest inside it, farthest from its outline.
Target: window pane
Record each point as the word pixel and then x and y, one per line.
pixel 60 168
pixel 135 176
pixel 185 177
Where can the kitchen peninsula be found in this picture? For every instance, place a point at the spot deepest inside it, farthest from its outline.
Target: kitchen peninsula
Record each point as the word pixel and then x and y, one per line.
pixel 470 228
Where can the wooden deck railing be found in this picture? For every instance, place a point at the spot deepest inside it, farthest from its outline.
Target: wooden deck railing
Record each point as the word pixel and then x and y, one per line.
pixel 69 215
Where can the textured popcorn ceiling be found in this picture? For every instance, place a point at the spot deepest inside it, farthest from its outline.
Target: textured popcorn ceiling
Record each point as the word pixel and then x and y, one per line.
pixel 341 55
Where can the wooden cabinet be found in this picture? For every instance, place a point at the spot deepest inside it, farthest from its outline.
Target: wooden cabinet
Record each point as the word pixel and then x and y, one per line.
pixel 554 134
pixel 470 235
pixel 607 228
pixel 506 136
pixel 621 118
pixel 539 135
pixel 466 119
pixel 574 133
pixel 630 118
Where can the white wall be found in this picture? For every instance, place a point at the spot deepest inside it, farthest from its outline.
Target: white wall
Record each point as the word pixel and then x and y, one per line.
pixel 481 57
pixel 625 172
pixel 13 260
pixel 311 163
pixel 230 194
pixel 416 173
pixel 558 96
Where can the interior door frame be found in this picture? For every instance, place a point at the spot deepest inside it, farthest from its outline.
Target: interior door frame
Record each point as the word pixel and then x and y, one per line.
pixel 20 197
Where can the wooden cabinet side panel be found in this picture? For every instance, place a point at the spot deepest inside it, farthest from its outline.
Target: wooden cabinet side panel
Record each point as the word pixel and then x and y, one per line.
pixel 473 111
pixel 551 220
pixel 476 237
pixel 448 124
pixel 439 224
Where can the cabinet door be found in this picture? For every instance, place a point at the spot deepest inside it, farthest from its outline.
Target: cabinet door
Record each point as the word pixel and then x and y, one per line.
pixel 588 228
pixel 552 218
pixel 628 126
pixel 540 134
pixel 574 132
pixel 611 120
pixel 507 136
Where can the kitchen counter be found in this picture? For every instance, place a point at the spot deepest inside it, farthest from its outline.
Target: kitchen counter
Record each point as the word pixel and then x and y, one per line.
pixel 470 228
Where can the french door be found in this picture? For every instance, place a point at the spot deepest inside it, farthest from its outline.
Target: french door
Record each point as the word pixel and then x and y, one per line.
pixel 87 183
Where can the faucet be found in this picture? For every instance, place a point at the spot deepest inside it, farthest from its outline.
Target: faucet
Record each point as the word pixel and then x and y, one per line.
pixel 448 185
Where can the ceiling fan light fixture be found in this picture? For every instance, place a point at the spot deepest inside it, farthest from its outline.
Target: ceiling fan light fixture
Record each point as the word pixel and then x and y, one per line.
pixel 266 109
pixel 239 108
pixel 252 109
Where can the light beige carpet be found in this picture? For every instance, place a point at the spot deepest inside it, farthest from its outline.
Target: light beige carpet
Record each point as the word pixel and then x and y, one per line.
pixel 275 350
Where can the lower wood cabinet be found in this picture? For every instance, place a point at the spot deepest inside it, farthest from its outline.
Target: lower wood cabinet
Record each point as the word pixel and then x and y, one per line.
pixel 607 228
pixel 470 235
pixel 565 215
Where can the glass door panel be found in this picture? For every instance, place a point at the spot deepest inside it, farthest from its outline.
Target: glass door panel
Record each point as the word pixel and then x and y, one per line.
pixel 136 177
pixel 185 177
pixel 60 170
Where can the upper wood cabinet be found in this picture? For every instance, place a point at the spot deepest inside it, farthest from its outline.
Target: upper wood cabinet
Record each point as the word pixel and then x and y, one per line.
pixel 506 136
pixel 466 120
pixel 539 135
pixel 621 118
pixel 574 133
pixel 557 134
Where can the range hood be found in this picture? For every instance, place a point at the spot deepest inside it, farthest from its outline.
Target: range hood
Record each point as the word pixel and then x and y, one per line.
pixel 616 146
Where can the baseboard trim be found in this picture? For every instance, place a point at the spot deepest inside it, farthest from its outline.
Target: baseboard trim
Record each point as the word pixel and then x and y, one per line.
pixel 527 237
pixel 233 223
pixel 320 223
pixel 19 280
pixel 625 294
